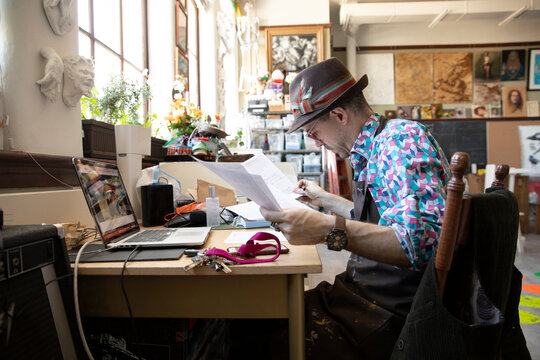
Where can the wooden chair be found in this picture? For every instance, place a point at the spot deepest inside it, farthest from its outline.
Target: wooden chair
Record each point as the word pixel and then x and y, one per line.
pixel 457 215
pixel 466 306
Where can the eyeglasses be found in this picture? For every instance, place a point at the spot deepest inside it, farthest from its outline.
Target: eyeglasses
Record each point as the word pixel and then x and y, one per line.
pixel 309 132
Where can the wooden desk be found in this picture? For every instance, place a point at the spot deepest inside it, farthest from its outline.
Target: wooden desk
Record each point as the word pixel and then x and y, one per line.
pixel 163 289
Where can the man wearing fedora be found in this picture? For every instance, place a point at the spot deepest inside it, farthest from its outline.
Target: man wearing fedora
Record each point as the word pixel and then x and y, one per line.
pixel 391 228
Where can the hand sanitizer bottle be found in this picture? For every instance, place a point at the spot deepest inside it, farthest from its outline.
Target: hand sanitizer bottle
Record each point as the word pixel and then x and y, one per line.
pixel 212 208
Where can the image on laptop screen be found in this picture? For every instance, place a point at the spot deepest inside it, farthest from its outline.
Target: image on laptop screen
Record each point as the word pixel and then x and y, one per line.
pixel 107 199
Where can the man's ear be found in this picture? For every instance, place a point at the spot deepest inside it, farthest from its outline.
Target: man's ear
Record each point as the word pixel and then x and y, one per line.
pixel 341 115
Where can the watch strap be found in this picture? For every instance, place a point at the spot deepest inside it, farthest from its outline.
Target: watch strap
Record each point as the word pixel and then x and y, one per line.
pixel 339 223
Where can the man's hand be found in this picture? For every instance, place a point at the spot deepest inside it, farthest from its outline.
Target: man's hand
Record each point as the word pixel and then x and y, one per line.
pixel 311 193
pixel 314 195
pixel 300 226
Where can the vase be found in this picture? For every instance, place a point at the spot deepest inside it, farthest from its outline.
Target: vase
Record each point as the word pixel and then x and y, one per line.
pixel 132 143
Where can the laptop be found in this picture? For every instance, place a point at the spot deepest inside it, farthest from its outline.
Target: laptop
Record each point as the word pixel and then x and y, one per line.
pixel 114 216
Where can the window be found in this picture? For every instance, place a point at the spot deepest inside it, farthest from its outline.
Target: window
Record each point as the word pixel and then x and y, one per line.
pixel 187 47
pixel 113 33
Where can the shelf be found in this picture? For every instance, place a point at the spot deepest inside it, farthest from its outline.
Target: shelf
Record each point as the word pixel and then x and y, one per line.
pixel 282 112
pixel 301 151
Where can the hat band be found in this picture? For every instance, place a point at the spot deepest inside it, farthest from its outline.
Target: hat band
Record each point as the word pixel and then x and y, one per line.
pixel 307 104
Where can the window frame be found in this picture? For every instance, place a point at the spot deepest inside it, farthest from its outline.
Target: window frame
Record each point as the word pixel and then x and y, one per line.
pixel 191 51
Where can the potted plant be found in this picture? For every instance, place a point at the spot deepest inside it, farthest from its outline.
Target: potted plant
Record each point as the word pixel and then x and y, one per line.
pixel 118 111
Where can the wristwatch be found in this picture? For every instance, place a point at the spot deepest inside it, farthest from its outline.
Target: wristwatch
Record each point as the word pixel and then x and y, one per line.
pixel 337 238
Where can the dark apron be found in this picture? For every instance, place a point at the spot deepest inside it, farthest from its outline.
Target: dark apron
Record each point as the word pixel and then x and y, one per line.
pixel 386 285
pixel 361 314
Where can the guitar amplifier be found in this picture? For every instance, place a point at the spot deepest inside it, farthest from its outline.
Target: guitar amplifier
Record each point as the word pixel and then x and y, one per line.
pixel 36 297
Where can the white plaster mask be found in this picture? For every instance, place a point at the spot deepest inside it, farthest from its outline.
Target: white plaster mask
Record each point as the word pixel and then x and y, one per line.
pixel 51 82
pixel 58 15
pixel 78 79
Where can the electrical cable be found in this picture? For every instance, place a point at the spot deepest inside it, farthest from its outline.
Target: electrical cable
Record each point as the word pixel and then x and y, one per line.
pixel 48 173
pixel 134 328
pixel 76 297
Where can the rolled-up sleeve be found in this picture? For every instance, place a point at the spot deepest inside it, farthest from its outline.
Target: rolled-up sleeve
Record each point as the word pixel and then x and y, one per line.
pixel 411 194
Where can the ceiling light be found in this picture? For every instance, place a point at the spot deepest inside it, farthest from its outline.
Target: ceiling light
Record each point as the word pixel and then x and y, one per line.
pixel 513 15
pixel 438 18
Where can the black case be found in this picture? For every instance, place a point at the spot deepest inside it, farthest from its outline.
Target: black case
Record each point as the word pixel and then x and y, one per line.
pixel 156 201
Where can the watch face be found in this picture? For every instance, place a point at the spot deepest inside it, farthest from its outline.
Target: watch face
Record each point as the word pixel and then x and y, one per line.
pixel 336 240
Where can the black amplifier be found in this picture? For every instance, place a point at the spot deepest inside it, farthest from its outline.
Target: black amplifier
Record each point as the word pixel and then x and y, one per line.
pixel 24 248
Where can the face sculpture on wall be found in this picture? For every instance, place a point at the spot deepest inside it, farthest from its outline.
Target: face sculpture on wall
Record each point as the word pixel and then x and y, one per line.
pixel 58 15
pixel 51 82
pixel 78 79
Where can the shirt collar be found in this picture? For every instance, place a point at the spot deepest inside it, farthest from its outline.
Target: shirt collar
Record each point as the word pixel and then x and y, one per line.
pixel 362 146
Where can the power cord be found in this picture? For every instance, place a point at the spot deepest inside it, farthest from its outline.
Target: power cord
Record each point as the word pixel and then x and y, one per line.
pixel 76 296
pixel 133 327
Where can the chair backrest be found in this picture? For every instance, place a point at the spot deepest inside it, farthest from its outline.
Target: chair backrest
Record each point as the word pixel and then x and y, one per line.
pixel 457 215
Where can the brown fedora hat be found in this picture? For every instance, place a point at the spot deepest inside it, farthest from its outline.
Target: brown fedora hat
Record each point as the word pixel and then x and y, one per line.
pixel 317 87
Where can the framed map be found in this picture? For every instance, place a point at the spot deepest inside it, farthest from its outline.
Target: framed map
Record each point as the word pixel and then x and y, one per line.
pixel 413 78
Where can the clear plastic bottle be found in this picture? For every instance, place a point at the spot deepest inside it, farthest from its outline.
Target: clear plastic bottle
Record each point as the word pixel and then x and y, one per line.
pixel 212 208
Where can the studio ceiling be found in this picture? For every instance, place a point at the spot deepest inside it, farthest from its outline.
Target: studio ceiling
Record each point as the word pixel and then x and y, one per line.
pixel 355 13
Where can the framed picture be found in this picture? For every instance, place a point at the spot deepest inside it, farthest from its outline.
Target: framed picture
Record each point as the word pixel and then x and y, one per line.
pixel 514 101
pixel 294 48
pixel 181 28
pixel 534 70
pixel 533 108
pixel 181 65
pixel 513 66
pixel 480 111
pixel 494 110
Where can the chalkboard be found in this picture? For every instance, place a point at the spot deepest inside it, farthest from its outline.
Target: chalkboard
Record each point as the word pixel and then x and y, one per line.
pixel 467 136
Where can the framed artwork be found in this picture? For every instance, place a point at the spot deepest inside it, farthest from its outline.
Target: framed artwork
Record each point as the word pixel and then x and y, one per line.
pixel 513 65
pixel 533 108
pixel 181 27
pixel 294 48
pixel 514 101
pixel 390 114
pixel 413 74
pixel 494 110
pixel 533 82
pixel 181 65
pixel 452 77
pixel 404 112
pixel 416 112
pixel 487 66
pixel 480 111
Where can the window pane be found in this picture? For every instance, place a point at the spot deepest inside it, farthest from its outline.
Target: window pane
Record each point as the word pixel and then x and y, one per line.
pixel 107 22
pixel 84 46
pixel 132 74
pixel 193 79
pixel 193 28
pixel 84 16
pixel 133 32
pixel 106 65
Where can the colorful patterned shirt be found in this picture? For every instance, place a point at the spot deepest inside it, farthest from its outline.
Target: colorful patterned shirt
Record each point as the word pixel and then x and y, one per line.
pixel 407 172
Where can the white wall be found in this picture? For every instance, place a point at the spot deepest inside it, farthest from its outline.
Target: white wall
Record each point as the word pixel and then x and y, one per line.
pixel 297 12
pixel 36 124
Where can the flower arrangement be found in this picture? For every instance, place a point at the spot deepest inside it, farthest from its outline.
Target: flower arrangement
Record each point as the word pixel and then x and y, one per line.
pixel 184 117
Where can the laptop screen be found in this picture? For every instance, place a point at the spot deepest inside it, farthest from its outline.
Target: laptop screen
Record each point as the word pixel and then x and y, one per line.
pixel 107 198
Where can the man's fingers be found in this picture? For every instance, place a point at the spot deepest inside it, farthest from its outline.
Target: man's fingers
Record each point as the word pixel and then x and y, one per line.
pixel 271 215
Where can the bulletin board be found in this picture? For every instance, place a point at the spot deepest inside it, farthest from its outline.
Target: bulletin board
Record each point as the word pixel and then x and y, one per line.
pixel 503 141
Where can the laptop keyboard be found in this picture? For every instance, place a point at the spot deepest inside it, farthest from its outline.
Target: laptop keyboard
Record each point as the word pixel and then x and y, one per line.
pixel 150 236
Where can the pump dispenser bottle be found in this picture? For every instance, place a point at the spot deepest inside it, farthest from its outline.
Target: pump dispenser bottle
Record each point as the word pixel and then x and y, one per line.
pixel 212 208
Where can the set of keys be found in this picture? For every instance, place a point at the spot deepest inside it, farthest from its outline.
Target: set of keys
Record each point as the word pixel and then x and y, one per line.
pixel 210 260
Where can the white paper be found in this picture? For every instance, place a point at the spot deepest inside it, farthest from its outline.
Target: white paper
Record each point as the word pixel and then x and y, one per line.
pixel 260 180
pixel 241 237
